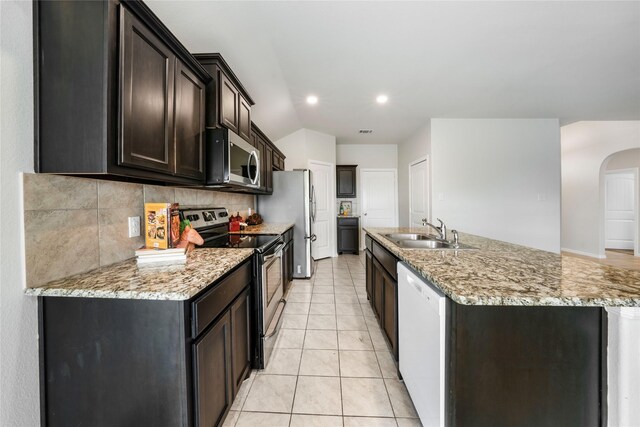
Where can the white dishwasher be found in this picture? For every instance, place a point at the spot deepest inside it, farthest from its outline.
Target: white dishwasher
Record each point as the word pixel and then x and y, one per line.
pixel 421 342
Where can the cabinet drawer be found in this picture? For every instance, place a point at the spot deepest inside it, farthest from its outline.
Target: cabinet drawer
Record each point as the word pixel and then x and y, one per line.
pixel 347 222
pixel 210 305
pixel 386 259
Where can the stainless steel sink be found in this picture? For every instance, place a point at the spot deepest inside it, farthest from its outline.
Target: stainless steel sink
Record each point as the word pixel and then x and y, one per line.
pixel 409 236
pixel 422 241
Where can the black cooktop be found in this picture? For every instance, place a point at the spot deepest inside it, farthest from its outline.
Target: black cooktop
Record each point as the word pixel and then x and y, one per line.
pixel 217 240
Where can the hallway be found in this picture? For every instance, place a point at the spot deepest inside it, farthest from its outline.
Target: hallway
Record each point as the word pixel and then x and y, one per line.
pixel 331 365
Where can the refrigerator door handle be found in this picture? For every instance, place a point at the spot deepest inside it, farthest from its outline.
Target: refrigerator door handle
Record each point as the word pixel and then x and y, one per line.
pixel 313 237
pixel 314 204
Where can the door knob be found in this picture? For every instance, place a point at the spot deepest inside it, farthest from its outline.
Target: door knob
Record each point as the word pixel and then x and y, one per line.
pixel 365 214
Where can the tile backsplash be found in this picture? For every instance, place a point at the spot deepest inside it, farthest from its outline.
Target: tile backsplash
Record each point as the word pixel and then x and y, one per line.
pixel 73 225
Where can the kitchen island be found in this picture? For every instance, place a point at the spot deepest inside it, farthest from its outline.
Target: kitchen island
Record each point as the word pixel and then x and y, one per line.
pixel 525 341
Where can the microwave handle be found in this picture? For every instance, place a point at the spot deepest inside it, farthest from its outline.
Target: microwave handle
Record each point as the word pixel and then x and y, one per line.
pixel 254 180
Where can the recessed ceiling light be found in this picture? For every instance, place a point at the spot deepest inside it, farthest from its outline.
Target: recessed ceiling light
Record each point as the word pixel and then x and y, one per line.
pixel 312 99
pixel 382 99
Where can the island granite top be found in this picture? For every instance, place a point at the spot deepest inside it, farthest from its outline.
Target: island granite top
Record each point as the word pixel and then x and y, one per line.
pixel 500 273
pixel 265 228
pixel 127 280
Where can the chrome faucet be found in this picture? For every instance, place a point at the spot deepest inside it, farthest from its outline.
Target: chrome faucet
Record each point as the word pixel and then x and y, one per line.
pixel 442 229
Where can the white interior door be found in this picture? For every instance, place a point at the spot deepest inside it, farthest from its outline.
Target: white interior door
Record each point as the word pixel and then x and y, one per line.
pixel 323 227
pixel 379 197
pixel 418 192
pixel 619 214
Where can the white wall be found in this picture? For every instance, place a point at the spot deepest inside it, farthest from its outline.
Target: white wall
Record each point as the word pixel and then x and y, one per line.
pixel 627 159
pixel 498 178
pixel 305 144
pixel 585 147
pixel 19 400
pixel 415 147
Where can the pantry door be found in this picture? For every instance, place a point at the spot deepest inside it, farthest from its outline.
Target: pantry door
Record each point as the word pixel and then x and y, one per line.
pixel 418 192
pixel 379 197
pixel 322 179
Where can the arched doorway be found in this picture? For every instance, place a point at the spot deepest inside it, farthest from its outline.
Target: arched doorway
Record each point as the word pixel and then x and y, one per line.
pixel 620 204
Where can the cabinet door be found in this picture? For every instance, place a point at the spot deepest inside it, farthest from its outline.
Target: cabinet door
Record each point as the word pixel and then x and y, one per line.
pixel 346 181
pixel 263 162
pixel 389 316
pixel 244 118
pixel 287 262
pixel 229 108
pixel 369 275
pixel 378 288
pixel 347 239
pixel 214 389
pixel 147 68
pixel 240 339
pixel 268 155
pixel 189 123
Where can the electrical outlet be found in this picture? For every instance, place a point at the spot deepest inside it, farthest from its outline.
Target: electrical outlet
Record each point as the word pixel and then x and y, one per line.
pixel 134 226
pixel 299 269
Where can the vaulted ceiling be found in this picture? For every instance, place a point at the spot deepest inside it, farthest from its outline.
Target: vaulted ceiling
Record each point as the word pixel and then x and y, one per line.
pixel 567 60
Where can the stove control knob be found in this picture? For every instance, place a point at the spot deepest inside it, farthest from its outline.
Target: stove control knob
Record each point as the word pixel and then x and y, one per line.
pixel 223 214
pixel 207 216
pixel 213 214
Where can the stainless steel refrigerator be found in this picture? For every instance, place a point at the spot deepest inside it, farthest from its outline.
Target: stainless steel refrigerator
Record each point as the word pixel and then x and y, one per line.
pixel 293 200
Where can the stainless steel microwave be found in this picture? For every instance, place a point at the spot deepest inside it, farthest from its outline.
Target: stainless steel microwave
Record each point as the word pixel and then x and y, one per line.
pixel 231 161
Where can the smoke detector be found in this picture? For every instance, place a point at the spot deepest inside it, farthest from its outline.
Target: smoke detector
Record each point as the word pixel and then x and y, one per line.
pixel 365 131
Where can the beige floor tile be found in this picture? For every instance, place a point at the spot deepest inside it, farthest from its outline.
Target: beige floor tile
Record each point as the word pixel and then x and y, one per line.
pixel 348 309
pixel 321 340
pixel 323 298
pixel 359 364
pixel 345 290
pixel 322 321
pixel 352 323
pixel 354 340
pixel 283 361
pixel 378 340
pixel 408 422
pixel 323 289
pixel 320 363
pixel 372 323
pixel 299 297
pixel 366 309
pixel 318 396
pixel 400 400
pixel 318 308
pixel 294 321
pixel 347 299
pixel 232 418
pixel 252 419
pixel 366 397
pixel 369 422
pixel 243 392
pixel 299 420
pixel 290 338
pixel 296 308
pixel 271 393
pixel 387 365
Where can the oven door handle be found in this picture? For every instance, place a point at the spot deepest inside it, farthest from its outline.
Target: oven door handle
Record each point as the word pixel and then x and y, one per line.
pixel 276 253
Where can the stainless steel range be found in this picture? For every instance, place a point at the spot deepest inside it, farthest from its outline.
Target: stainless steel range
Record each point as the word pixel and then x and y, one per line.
pixel 267 294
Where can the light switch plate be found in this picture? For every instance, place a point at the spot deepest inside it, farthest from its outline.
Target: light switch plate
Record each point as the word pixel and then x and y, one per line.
pixel 134 226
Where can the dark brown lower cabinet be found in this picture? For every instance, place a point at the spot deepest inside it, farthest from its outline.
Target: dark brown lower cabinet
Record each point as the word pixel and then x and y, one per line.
pixel 390 309
pixel 287 264
pixel 213 373
pixel 378 287
pixel 241 339
pixel 133 362
pixel 369 274
pixel 348 235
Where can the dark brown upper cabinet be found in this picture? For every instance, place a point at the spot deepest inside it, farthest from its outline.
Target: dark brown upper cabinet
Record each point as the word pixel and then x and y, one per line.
pixel 189 123
pixel 228 104
pixel 117 95
pixel 346 181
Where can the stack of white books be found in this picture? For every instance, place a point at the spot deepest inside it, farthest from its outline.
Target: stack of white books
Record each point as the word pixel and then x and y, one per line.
pixel 166 256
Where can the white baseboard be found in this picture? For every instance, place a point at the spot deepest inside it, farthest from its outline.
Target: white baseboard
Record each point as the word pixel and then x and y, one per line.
pixel 573 251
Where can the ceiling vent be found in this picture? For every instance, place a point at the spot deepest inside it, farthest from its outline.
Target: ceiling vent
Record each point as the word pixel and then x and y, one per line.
pixel 365 131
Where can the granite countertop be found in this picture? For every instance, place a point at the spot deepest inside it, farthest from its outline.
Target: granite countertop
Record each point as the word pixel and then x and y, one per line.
pixel 348 216
pixel 265 228
pixel 500 273
pixel 128 281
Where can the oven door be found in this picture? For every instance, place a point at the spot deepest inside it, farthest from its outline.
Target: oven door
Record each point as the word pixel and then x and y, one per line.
pixel 272 300
pixel 244 163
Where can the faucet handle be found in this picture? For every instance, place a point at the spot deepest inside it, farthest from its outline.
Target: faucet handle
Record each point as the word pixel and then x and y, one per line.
pixel 455 238
pixel 440 221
